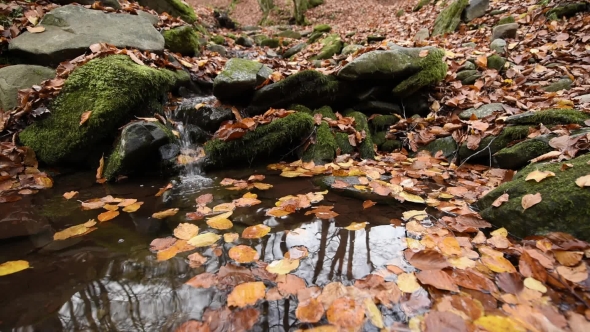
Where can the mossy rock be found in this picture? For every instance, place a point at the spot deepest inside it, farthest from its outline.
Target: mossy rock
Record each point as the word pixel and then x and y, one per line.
pixel 518 155
pixel 322 28
pixel 218 39
pixel 289 34
pixel 259 38
pixel 325 146
pixel 420 4
pixel 391 145
pixel 270 43
pixel 492 144
pixel 447 145
pixel 482 111
pixel 549 117
pixel 277 137
pixel 314 37
pixel 449 18
pixel 300 108
pixel 366 150
pixel 567 10
pixel 115 89
pixel 562 208
pixel 239 78
pixel 562 84
pixel 332 46
pixel 315 3
pixel 468 77
pixel 175 8
pixel 343 143
pixel 294 50
pixel 309 88
pixel 183 40
pixel 496 62
pixel 432 70
pixel 383 122
pixel 506 20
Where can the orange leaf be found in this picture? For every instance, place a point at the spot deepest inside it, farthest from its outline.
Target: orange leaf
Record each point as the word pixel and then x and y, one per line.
pixel 310 311
pixel 70 194
pixel 246 294
pixel 243 254
pixel 106 216
pixel 530 200
pixel 85 116
pixel 255 232
pixel 501 200
pixel 368 203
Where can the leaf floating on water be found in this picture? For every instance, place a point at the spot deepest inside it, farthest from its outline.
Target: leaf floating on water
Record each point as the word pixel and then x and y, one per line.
pixel 277 212
pixel 70 194
pixel 310 311
pixel 164 189
pixel 262 186
pixel 428 260
pixel 195 260
pixel 501 200
pixel 73 231
pixel 11 267
pixel 246 202
pixel 203 280
pixel 356 226
pixel 128 201
pixel 411 198
pixel 186 231
pixel 110 207
pixel 204 199
pixel 346 313
pixel 368 203
pixel 204 240
pixel 220 223
pixel 225 207
pixel 531 200
pixel 162 243
pixel 297 252
pixel 246 294
pixel 165 213
pixel 407 283
pixel 230 237
pixel 243 254
pixel 255 232
pixel 373 313
pixel 133 207
pixel 106 216
pixel 283 266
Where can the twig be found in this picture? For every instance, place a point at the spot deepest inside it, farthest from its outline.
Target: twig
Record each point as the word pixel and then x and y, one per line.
pixel 298 146
pixel 478 152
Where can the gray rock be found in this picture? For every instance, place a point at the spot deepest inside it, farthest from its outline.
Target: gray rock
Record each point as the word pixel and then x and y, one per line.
pixel 482 111
pixel 206 117
pixel 153 19
pixel 294 50
pixel 416 104
pixel 469 45
pixel 422 34
pixel 251 28
pixel 498 45
pixel 378 107
pixel 289 34
pixel 217 48
pixel 583 99
pixel 447 145
pixel 17 77
pixel 176 8
pixel 239 78
pixel 475 9
pixel 244 41
pixel 70 30
pixel 505 31
pixel 137 148
pixel 350 49
pixel 468 77
pixel 374 39
pixel 332 45
pixel 468 65
pixel 562 84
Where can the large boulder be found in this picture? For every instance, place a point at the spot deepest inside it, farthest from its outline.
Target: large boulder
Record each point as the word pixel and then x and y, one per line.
pixel 563 205
pixel 70 30
pixel 183 40
pixel 137 148
pixel 402 66
pixel 475 9
pixel 239 78
pixel 449 18
pixel 279 136
pixel 107 3
pixel 17 77
pixel 175 8
pixel 207 117
pixel 115 89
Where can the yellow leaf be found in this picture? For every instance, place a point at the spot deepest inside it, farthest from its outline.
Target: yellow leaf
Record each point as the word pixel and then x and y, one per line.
pixel 415 214
pixel 37 29
pixel 411 197
pixel 449 246
pixel 230 237
pixel 539 175
pixel 106 216
pixel 165 213
pixel 535 284
pixel 373 313
pixel 204 240
pixel 186 231
pixel 133 207
pixel 356 226
pixel 283 266
pixel 85 116
pixel 250 195
pixel 225 207
pixel 11 267
pixel 498 264
pixel 111 207
pixel 218 223
pixel 500 232
pixel 69 232
pixel 243 254
pixel 70 194
pixel 461 263
pixel 246 294
pixel 255 232
pixel 498 324
pixel 583 181
pixel 407 283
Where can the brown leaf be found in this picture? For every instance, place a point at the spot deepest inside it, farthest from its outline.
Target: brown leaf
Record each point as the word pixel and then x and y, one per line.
pixel 246 294
pixel 368 203
pixel 310 311
pixel 501 200
pixel 530 200
pixel 427 260
pixel 106 216
pixel 438 279
pixel 195 260
pixel 346 313
pixel 164 189
pixel 165 213
pixel 85 116
pixel 243 254
pixel 583 181
pixel 203 280
pixel 436 321
pixel 99 170
pixel 289 284
pixel 186 231
pixel 255 232
pixel 70 194
pixel 204 199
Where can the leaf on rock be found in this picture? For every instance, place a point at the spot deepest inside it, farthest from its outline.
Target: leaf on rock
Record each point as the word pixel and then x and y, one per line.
pixel 37 29
pixel 243 254
pixel 246 294
pixel 108 215
pixel 204 240
pixel 283 266
pixel 531 200
pixel 85 116
pixel 186 231
pixel 573 274
pixel 356 226
pixel 255 232
pixel 165 213
pixel 411 198
pixel 225 207
pixel 310 311
pixel 539 175
pixel 583 181
pixel 220 223
pixel 195 260
pixel 501 200
pixel 11 267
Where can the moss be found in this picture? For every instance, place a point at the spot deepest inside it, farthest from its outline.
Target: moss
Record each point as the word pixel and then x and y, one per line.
pixel 360 124
pixel 332 46
pixel 496 62
pixel 550 117
pixel 114 89
pixel 315 36
pixel 447 145
pixel 400 13
pixel 564 206
pixel 492 144
pixel 184 11
pixel 379 138
pixel 343 143
pixel 218 39
pixel 567 10
pixel 232 36
pixel 506 20
pixel 432 70
pixel 420 4
pixel 391 145
pixel 449 18
pixel 322 28
pixel 278 136
pixel 326 112
pixel 183 40
pixel 518 155
pixel 270 42
pixel 315 3
pixel 259 38
pixel 299 108
pixel 382 122
pixel 324 148
pixel 289 34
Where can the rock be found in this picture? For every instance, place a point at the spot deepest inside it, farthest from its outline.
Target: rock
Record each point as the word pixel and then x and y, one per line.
pixel 332 46
pixel 322 28
pixel 17 77
pixel 468 65
pixel 343 143
pixel 420 4
pixel 567 10
pixel 70 30
pixel 294 50
pixel 271 54
pixel 251 28
pixel 19 220
pixel 218 49
pixel 218 39
pixel 416 103
pixel 258 39
pixel 506 20
pixel 360 124
pixel 504 31
pixel 183 40
pixel 289 34
pixel 325 182
pixel 549 117
pixel 383 122
pixel 422 35
pixel 278 137
pixel 315 36
pixel 498 12
pixel 468 77
pixel 137 148
pixel 449 18
pixel 482 111
pixel 375 39
pixel 492 144
pixel 350 49
pixel 496 62
pixel 206 117
pixel 498 45
pixel 325 146
pixel 107 3
pixel 239 78
pixel 447 145
pixel 475 9
pixel 469 45
pixel 584 99
pixel 153 19
pixel 270 42
pixel 244 41
pixel 115 89
pixel 391 145
pixel 309 87
pixel 562 84
pixel 378 107
pixel 518 155
pixel 176 8
pixel 403 65
pixel 562 208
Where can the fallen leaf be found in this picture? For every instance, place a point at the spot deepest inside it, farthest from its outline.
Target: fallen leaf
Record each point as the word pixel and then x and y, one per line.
pixel 530 200
pixel 539 175
pixel 573 274
pixel 346 313
pixel 85 116
pixel 498 324
pixel 230 237
pixel 246 294
pixel 243 254
pixel 37 29
pixel 203 280
pixel 100 170
pixel 373 313
pixel 106 216
pixel 583 181
pixel 283 266
pixel 133 207
pixel 368 203
pixel 204 240
pixel 501 200
pixel 356 226
pixel 255 232
pixel 186 231
pixel 407 283
pixel 11 267
pixel 568 258
pixel 163 190
pixel 498 264
pixel 165 213
pixel 428 260
pixel 438 279
pixel 195 260
pixel 72 231
pixel 220 223
pixel 70 194
pixel 310 311
pixel 204 199
pixel 535 284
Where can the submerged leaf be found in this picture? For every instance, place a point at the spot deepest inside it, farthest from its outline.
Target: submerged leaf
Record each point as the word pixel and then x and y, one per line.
pixel 11 267
pixel 246 294
pixel 255 232
pixel 204 240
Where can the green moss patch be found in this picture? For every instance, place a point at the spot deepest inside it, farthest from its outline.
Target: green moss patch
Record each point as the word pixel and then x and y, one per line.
pixel 549 117
pixel 183 40
pixel 360 124
pixel 432 70
pixel 449 19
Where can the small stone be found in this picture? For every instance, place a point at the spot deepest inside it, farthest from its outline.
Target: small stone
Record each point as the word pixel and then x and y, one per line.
pixel 475 9
pixel 350 49
pixel 498 45
pixel 468 65
pixel 468 77
pixel 505 31
pixel 294 50
pixel 469 45
pixel 583 99
pixel 498 12
pixel 217 48
pixel 219 40
pixel 322 28
pixel 270 42
pixel 506 20
pixel 496 62
pixel 244 41
pixel 482 111
pixel 562 84
pixel 422 34
pixel 373 39
pixel 289 34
